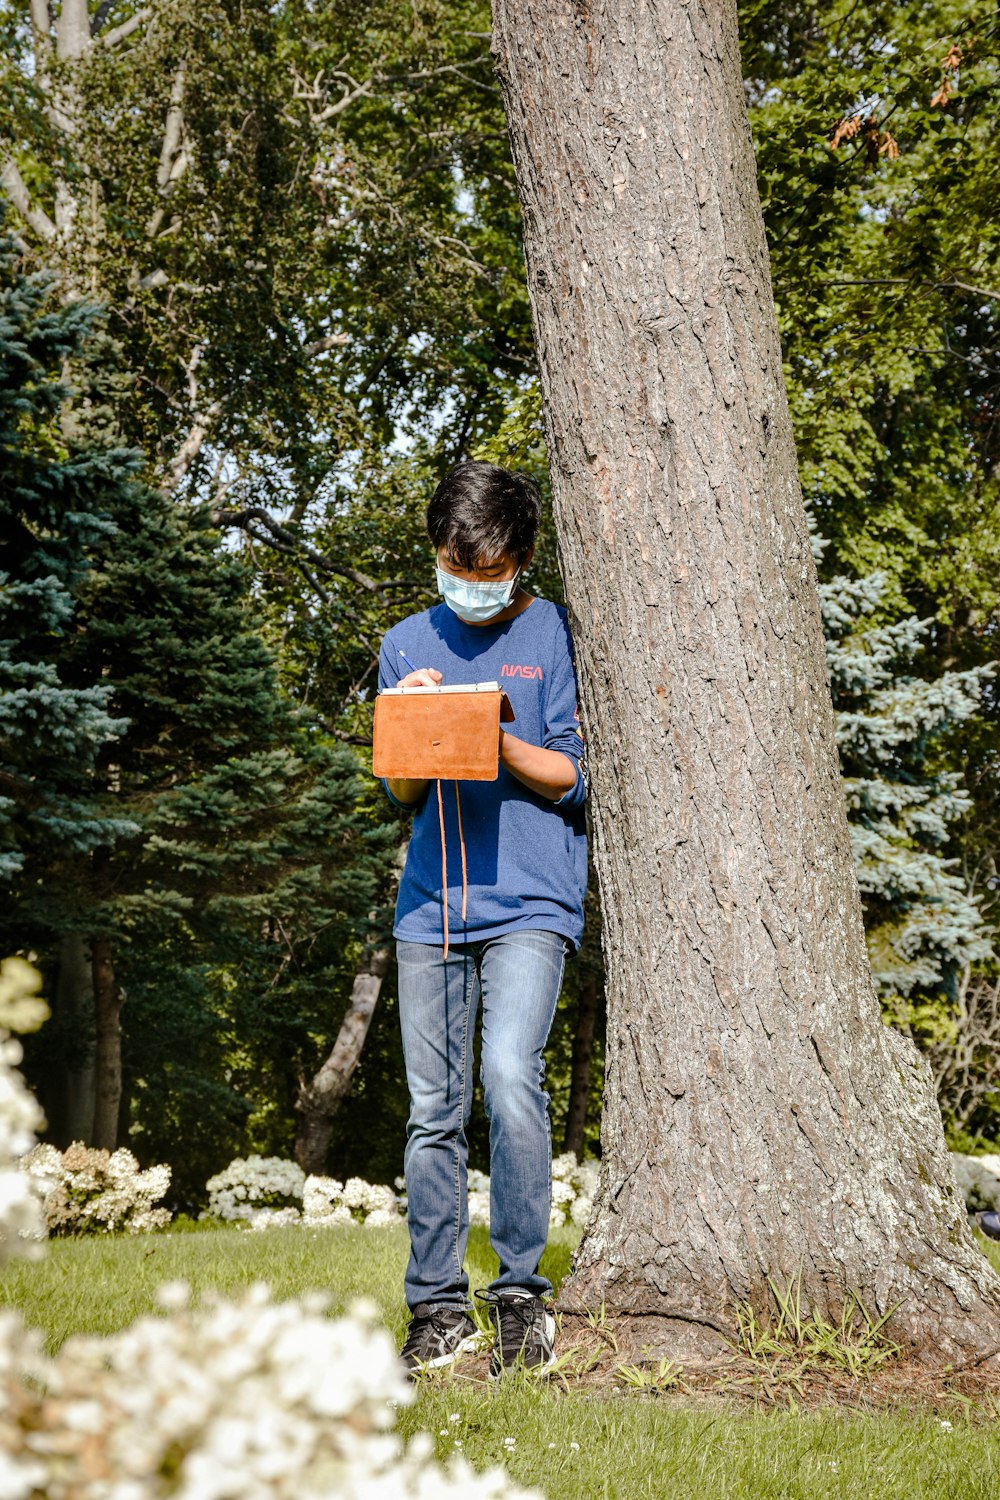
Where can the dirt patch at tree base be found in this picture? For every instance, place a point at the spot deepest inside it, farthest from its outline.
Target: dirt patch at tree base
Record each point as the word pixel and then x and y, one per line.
pixel 607 1361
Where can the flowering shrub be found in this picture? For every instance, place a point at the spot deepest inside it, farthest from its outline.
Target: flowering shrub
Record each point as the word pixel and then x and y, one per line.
pixel 327 1201
pixel 91 1192
pixel 239 1398
pixel 254 1183
pixel 22 1221
pixel 479 1198
pixel 247 1398
pixel 269 1190
pixel 573 1186
pixel 978 1179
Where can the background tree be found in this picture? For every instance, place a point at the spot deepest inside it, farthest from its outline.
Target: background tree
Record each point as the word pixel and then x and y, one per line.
pixel 51 729
pixel 747 1065
pixel 923 928
pixel 187 800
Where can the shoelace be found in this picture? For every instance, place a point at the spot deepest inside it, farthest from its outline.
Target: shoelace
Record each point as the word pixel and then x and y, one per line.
pixel 444 863
pixel 516 1316
pixel 434 1321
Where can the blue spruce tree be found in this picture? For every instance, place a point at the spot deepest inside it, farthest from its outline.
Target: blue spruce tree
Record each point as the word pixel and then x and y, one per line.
pixel 922 925
pixel 51 730
pixel 167 808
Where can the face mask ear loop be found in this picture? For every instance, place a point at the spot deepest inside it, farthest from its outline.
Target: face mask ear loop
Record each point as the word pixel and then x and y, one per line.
pixel 461 840
pixel 444 870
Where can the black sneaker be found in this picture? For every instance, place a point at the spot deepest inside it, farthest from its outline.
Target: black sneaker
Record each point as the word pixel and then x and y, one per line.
pixel 437 1336
pixel 526 1331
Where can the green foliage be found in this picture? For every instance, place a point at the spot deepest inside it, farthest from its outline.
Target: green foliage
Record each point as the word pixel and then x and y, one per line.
pixel 232 850
pixel 315 303
pixel 882 242
pixel 53 725
pixel 922 925
pixel 790 1341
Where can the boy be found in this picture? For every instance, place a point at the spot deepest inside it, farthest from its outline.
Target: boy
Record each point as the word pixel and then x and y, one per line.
pixel 495 928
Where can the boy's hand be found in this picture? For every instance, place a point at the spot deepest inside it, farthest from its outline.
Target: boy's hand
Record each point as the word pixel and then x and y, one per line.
pixel 423 677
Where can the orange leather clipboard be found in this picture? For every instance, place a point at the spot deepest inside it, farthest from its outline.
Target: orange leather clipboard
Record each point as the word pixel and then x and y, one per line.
pixel 449 733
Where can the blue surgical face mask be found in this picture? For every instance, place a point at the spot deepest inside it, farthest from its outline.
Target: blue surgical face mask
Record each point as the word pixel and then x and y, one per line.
pixel 476 602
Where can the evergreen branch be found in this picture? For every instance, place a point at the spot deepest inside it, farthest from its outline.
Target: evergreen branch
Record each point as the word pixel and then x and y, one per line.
pixel 16 189
pixel 119 33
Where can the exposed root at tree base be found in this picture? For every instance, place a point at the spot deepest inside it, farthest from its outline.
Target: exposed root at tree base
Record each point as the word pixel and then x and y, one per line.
pixel 590 1362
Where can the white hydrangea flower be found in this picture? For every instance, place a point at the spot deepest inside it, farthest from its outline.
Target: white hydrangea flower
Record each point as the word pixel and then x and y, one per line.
pixel 88 1190
pixel 253 1183
pixel 22 1193
pixel 320 1195
pixel 479 1206
pixel 382 1218
pixel 268 1218
pixel 564 1166
pixel 978 1179
pixel 231 1400
pixel 588 1175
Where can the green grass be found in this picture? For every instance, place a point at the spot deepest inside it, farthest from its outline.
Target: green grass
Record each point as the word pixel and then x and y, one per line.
pixel 100 1284
pixel 575 1445
pixel 634 1448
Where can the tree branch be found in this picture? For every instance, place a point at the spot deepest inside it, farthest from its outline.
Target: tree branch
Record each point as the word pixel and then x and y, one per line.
pixel 41 24
pixel 329 341
pixel 119 33
pixel 16 189
pixel 191 446
pixel 937 286
pixel 273 534
pixel 100 15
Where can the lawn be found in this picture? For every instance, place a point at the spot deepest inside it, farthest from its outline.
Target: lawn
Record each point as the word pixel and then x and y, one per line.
pixel 574 1442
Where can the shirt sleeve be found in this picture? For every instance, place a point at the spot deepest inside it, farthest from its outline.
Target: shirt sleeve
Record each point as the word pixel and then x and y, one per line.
pixel 562 729
pixel 390 670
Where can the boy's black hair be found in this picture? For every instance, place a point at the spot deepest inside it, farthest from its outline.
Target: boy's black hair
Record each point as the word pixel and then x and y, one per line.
pixel 479 511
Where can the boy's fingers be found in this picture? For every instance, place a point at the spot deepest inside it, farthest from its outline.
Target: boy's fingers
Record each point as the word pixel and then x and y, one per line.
pixel 423 677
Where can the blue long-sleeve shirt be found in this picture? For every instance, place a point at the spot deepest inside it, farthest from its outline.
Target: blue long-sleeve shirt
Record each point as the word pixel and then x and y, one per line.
pixel 526 855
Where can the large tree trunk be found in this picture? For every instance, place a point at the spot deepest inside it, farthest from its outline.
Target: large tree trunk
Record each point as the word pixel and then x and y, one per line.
pixel 108 1000
pixel 320 1099
pixel 760 1120
pixel 73 1117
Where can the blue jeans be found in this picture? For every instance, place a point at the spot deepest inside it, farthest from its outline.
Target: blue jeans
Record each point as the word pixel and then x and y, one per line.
pixel 518 978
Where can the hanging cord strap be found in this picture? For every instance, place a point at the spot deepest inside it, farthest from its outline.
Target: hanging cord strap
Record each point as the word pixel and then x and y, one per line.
pixel 461 840
pixel 444 871
pixel 444 862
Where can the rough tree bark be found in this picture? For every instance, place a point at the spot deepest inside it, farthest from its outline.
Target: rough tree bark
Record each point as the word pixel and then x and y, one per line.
pixel 320 1099
pixel 760 1121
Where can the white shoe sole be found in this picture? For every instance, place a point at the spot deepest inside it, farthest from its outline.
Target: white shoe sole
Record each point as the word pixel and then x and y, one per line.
pixel 441 1360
